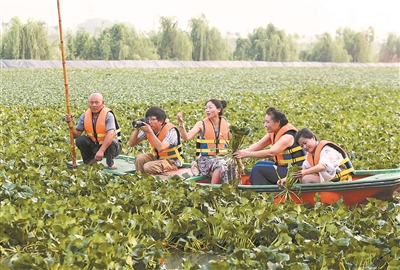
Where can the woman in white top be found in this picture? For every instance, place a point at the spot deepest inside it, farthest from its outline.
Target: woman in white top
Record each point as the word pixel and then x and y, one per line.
pixel 325 160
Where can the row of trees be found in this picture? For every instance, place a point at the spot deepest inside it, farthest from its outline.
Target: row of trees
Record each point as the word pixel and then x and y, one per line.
pixel 200 42
pixel 169 43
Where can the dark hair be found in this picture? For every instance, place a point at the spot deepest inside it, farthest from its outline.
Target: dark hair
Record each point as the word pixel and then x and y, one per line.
pixel 157 112
pixel 277 116
pixel 220 104
pixel 304 133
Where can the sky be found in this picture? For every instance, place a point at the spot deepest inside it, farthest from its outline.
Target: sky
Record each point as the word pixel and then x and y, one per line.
pixel 308 18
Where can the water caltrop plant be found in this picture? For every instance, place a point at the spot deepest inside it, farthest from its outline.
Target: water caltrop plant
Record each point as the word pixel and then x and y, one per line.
pixel 53 217
pixel 289 191
pixel 238 136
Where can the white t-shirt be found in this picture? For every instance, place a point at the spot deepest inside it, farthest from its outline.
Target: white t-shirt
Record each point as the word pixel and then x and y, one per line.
pixel 331 158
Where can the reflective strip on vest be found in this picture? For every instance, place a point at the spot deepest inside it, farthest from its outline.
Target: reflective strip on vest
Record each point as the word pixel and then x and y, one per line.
pixel 292 150
pixel 213 149
pixel 291 160
pixel 172 153
pixel 211 144
pixel 345 174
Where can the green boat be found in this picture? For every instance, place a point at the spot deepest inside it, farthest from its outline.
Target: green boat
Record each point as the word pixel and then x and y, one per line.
pixel 379 184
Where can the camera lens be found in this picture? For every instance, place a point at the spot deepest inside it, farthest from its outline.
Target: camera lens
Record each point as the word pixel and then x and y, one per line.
pixel 137 123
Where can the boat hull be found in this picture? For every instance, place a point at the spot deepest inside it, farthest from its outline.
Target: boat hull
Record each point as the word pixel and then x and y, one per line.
pixel 379 184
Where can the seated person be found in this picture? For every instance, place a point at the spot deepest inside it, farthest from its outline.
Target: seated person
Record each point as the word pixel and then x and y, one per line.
pixel 164 139
pixel 103 133
pixel 325 161
pixel 284 150
pixel 212 142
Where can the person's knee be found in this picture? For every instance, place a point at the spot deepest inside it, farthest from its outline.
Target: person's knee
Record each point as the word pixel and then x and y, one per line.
pixel 257 176
pixel 140 158
pixel 150 168
pixel 114 149
pixel 140 162
pixel 80 141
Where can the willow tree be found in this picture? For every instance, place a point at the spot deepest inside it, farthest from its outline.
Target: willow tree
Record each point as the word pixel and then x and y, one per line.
pixel 80 43
pixel 167 33
pixel 183 47
pixel 11 41
pixel 198 35
pixel 272 44
pixel 26 41
pixel 173 43
pixel 89 49
pixel 218 47
pixel 242 49
pixel 357 44
pixel 326 49
pixel 144 48
pixel 70 46
pixel 119 36
pixel 390 50
pixel 34 41
pixel 208 43
pixel 104 45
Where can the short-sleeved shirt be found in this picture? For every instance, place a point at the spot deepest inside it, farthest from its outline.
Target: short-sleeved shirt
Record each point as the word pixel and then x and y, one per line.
pixel 331 158
pixel 171 137
pixel 110 122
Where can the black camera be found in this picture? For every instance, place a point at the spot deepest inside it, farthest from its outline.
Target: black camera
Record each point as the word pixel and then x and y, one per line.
pixel 140 122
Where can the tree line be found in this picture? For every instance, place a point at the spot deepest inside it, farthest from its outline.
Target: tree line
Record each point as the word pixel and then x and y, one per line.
pixel 201 42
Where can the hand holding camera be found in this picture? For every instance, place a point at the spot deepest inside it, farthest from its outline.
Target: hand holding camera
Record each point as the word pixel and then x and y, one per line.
pixel 140 122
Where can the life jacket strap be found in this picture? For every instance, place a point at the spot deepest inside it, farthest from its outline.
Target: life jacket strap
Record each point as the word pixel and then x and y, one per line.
pixel 221 150
pixel 292 150
pixel 212 141
pixel 291 161
pixel 176 154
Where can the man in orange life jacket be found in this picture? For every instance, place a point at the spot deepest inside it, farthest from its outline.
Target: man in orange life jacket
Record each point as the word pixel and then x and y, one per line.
pixel 165 142
pixel 103 133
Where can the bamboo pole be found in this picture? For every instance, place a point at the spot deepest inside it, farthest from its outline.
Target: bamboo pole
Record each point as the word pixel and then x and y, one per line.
pixel 71 134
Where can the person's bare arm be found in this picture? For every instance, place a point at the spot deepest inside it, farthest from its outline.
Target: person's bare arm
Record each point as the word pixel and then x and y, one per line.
pixel 106 143
pixel 193 132
pixel 284 142
pixel 68 119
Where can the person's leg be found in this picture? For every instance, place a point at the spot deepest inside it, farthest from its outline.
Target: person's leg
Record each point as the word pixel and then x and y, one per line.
pixel 87 148
pixel 112 152
pixel 311 178
pixel 266 173
pixel 141 159
pixel 159 166
pixel 216 176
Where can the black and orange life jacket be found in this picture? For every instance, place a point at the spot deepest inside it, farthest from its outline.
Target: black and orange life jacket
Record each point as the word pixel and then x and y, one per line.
pixel 97 130
pixel 347 171
pixel 294 154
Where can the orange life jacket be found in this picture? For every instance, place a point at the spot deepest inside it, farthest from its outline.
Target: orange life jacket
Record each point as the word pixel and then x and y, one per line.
pixel 171 152
pixel 97 131
pixel 213 142
pixel 345 174
pixel 292 155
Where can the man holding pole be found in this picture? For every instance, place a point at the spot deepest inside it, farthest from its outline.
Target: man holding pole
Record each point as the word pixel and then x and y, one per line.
pixel 103 134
